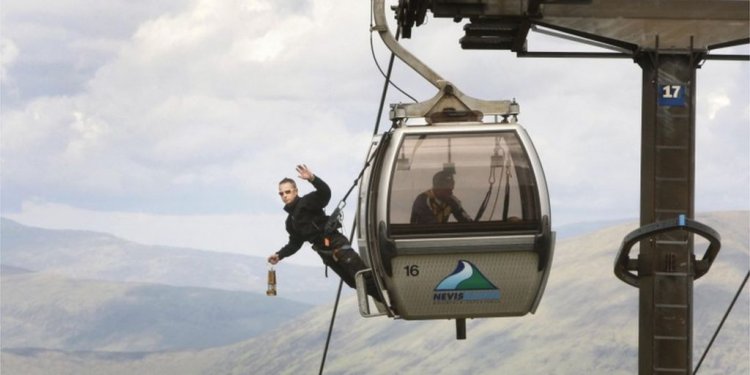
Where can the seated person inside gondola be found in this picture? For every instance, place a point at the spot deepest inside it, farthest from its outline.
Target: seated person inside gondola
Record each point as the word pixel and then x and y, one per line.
pixel 436 205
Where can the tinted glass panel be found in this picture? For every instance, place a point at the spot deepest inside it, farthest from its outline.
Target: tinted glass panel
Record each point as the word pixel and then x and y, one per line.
pixel 462 182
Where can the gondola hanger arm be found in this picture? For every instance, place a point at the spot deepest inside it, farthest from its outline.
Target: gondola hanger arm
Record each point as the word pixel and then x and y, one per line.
pixel 449 99
pixel 381 26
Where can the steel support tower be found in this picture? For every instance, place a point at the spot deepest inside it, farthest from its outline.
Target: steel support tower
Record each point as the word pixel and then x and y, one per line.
pixel 665 262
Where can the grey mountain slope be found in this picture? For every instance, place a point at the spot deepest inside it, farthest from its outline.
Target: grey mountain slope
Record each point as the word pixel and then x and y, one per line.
pixel 10 270
pixel 53 312
pixel 566 231
pixel 587 323
pixel 93 255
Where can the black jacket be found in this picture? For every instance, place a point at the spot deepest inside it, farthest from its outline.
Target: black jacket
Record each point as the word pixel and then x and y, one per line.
pixel 306 219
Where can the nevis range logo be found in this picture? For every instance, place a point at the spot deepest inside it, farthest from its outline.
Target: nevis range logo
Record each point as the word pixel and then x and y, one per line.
pixel 465 283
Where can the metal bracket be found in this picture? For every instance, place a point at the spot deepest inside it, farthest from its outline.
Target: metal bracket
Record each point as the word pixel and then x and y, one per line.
pixel 450 100
pixel 363 299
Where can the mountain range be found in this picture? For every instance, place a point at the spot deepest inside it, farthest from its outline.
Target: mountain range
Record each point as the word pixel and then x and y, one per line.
pixel 49 311
pixel 101 256
pixel 587 323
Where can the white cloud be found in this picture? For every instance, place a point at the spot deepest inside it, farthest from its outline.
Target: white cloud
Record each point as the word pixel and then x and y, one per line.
pixel 177 107
pixel 717 102
pixel 8 55
pixel 200 107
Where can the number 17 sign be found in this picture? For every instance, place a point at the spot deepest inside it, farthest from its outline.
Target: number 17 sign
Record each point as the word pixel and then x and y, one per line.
pixel 672 95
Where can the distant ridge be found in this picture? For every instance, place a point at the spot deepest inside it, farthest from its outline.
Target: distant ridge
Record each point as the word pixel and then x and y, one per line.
pixel 49 311
pixel 101 256
pixel 10 270
pixel 586 323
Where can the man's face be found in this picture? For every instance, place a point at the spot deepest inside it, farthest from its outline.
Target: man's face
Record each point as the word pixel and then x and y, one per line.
pixel 442 193
pixel 287 192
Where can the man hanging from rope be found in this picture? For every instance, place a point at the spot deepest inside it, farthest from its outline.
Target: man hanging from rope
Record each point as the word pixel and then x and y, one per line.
pixel 307 222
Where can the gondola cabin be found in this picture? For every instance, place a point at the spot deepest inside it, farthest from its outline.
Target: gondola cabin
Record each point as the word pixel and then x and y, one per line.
pixel 453 216
pixel 454 220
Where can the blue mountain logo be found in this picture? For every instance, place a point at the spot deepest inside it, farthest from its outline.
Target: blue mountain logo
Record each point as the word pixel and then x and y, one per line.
pixel 466 283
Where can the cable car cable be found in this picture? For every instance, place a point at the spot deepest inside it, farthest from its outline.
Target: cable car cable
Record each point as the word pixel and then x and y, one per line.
pixel 337 212
pixel 372 50
pixel 390 63
pixel 330 327
pixel 385 85
pixel 342 203
pixel 334 218
pixel 731 305
pixel 333 315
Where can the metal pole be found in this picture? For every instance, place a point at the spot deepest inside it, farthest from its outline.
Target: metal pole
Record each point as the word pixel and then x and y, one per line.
pixel 666 262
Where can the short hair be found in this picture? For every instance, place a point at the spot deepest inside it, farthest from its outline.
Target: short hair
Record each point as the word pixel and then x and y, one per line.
pixel 442 180
pixel 287 180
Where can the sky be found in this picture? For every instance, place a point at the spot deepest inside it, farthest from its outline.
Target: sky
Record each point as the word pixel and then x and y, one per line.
pixel 170 122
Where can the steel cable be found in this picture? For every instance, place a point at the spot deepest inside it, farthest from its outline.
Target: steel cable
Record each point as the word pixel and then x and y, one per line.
pixel 731 305
pixel 356 181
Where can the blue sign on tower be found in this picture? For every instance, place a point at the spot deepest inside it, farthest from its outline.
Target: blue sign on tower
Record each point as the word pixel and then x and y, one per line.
pixel 672 95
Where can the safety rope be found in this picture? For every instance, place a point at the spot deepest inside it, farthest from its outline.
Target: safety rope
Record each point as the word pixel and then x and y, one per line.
pixel 336 216
pixel 337 212
pixel 731 305
pixel 335 309
pixel 330 328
